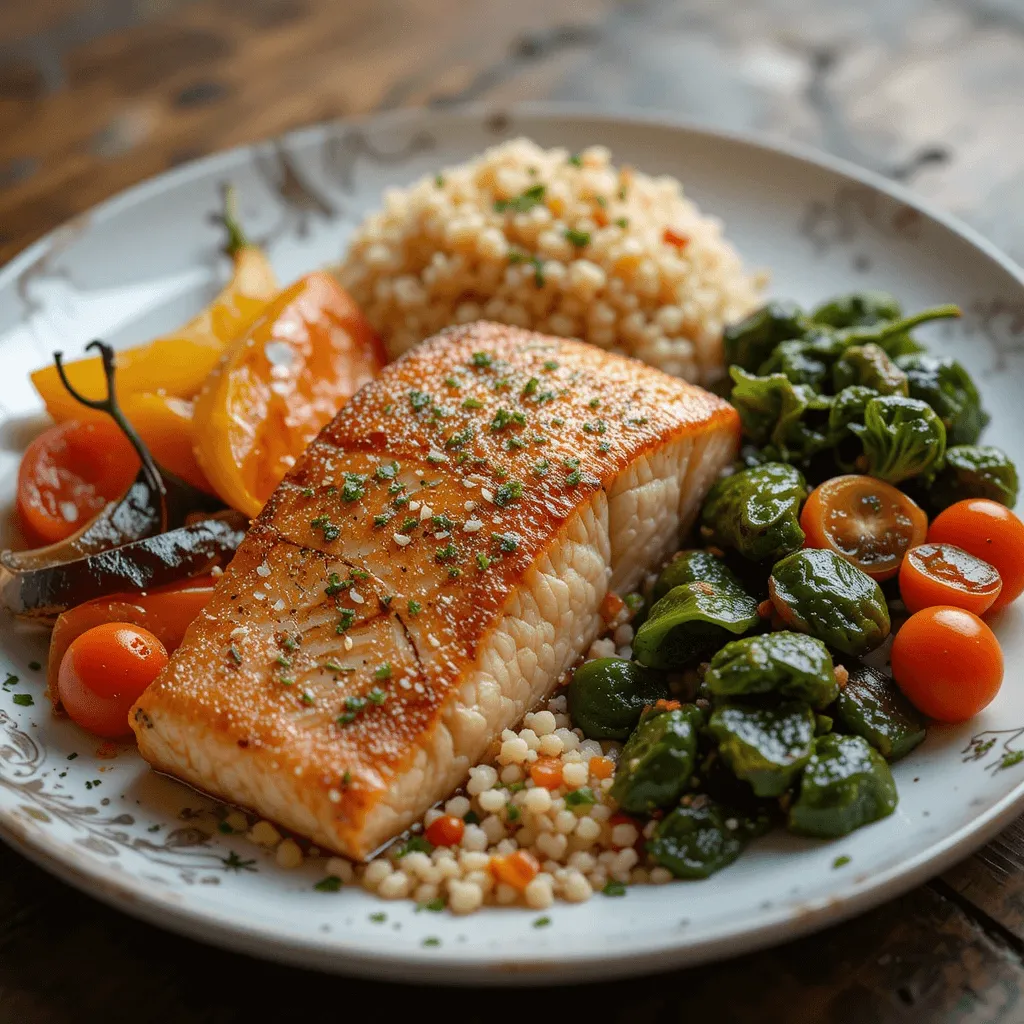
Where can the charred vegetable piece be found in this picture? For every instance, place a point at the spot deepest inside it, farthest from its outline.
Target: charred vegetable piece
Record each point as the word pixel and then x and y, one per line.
pixel 764 746
pixel 658 760
pixel 816 591
pixel 165 558
pixel 752 340
pixel 858 309
pixel 972 471
pixel 757 511
pixel 868 366
pixel 948 388
pixel 902 438
pixel 696 840
pixel 692 620
pixel 608 695
pixel 695 566
pixel 793 418
pixel 845 785
pixel 871 706
pixel 791 665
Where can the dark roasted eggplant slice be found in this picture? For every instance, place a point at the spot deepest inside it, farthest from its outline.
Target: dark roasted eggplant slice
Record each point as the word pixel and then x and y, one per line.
pixel 192 550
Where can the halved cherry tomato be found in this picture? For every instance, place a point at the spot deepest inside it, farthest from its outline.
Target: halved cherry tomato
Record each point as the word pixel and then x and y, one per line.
pixel 947 662
pixel 934 574
pixel 104 672
pixel 868 522
pixel 68 473
pixel 547 772
pixel 165 611
pixel 991 532
pixel 278 384
pixel 517 869
pixel 446 830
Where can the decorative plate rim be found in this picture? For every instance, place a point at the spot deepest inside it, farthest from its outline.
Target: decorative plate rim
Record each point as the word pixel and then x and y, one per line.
pixel 451 965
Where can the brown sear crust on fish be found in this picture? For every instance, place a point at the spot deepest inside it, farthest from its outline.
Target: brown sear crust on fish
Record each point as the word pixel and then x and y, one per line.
pixel 425 575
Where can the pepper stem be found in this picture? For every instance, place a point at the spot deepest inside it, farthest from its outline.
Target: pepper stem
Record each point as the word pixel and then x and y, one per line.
pixel 112 408
pixel 228 219
pixel 946 312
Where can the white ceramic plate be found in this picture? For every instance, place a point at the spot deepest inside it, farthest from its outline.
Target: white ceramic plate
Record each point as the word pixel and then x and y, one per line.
pixel 144 261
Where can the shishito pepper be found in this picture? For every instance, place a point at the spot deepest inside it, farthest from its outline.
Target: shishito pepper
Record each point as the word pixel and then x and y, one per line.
pixel 872 706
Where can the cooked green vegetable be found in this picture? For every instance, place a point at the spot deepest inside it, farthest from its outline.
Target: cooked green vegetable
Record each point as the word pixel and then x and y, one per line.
pixel 868 366
pixel 657 761
pixel 752 340
pixel 848 409
pixel 798 362
pixel 816 591
pixel 764 746
pixel 894 335
pixel 845 785
pixel 773 410
pixel 757 511
pixel 693 567
pixel 871 705
pixel 607 697
pixel 691 621
pixel 974 471
pixel 948 388
pixel 902 438
pixel 858 309
pixel 696 839
pixel 791 665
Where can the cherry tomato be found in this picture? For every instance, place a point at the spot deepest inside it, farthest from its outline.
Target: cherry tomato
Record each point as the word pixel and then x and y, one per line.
pixel 602 767
pixel 517 869
pixel 68 473
pixel 947 662
pixel 868 522
pixel 945 574
pixel 104 672
pixel 547 772
pixel 446 830
pixel 991 532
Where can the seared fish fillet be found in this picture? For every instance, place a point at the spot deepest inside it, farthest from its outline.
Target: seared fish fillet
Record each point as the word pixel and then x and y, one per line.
pixel 428 572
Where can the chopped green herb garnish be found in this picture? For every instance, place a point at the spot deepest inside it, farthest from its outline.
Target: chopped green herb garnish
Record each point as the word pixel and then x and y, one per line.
pixel 283 661
pixel 330 531
pixel 376 696
pixel 574 478
pixel 471 818
pixel 482 360
pixel 507 493
pixel 530 386
pixel 415 607
pixel 576 160
pixel 604 446
pixel 383 518
pixel 523 202
pixel 601 201
pixel 235 655
pixel 472 403
pixel 582 797
pixel 1008 760
pixel 577 238
pixel 335 585
pixel 308 492
pixel 614 888
pixel 505 417
pixel 416 844
pixel 431 940
pixel 408 523
pixel 512 813
pixel 382 671
pixel 354 487
pixel 454 572
pixel 551 364
pixel 286 680
pixel 232 862
pixel 307 698
pixel 541 467
pixel 453 382
pixel 439 182
pixel 332 883
pixel 446 554
pixel 442 522
pixel 634 601
pixel 505 541
pixel 462 437
pixel 434 906
pixel 436 458
pixel 557 421
pixel 841 862
pixel 514 444
pixel 386 472
pixel 597 427
pixel 348 616
pixel 483 563
pixel 594 403
pixel 571 463
pixel 622 222
pixel 23 700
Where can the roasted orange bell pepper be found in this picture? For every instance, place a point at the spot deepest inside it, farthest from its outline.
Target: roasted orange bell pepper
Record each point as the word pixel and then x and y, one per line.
pixel 164 423
pixel 278 384
pixel 178 363
pixel 164 611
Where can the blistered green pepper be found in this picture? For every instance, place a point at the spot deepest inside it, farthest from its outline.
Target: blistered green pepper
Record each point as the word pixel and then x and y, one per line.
pixel 791 665
pixel 868 366
pixel 902 438
pixel 845 785
pixel 848 409
pixel 858 309
pixel 816 591
pixel 697 839
pixel 695 566
pixel 894 335
pixel 974 471
pixel 691 621
pixel 764 746
pixel 608 695
pixel 948 388
pixel 757 511
pixel 749 342
pixel 798 362
pixel 871 705
pixel 657 762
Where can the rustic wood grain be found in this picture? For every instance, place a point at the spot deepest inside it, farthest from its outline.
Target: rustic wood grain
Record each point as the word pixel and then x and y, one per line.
pixel 98 94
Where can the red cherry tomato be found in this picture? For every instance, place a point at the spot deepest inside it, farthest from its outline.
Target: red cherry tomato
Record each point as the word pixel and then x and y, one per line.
pixel 934 574
pixel 991 532
pixel 68 473
pixel 104 672
pixel 867 521
pixel 947 662
pixel 446 830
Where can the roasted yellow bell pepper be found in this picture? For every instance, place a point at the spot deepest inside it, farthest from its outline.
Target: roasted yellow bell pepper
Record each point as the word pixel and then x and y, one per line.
pixel 164 422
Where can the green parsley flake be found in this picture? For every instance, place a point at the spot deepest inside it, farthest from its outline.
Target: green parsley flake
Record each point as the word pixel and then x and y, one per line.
pixel 541 467
pixel 446 554
pixel 354 488
pixel 383 518
pixel 505 541
pixel 235 655
pixel 512 813
pixel 482 360
pixel 416 844
pixel 577 238
pixel 574 478
pixel 551 364
pixel 23 700
pixel 841 862
pixel 386 472
pixel 1008 760
pixel 431 940
pixel 523 202
pixel 483 563
pixel 408 523
pixel 530 386
pixel 332 883
pixel 419 400
pixel 594 403
pixel 622 222
pixel 505 417
pixel 472 403
pixel 597 427
pixel 614 888
pixel 452 382
pixel 439 183
pixel 330 531
pixel 377 696
pixel 415 607
pixel 382 671
pixel 308 492
pixel 604 446
pixel 335 585
pixel 462 437
pixel 348 616
pixel 507 493
pixel 576 160
pixel 442 522
pixel 582 797
pixel 379 917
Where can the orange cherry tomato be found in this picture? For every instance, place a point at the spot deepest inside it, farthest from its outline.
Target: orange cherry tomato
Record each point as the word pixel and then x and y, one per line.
pixel 947 662
pixel 991 532
pixel 165 611
pixel 868 522
pixel 278 384
pixel 68 473
pixel 602 767
pixel 517 869
pixel 104 672
pixel 547 772
pixel 945 574
pixel 446 831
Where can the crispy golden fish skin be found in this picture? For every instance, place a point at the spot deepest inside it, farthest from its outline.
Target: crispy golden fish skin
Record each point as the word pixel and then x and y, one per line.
pixel 431 568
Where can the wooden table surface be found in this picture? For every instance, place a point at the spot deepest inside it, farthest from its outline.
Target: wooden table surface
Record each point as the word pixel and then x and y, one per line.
pixel 97 95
